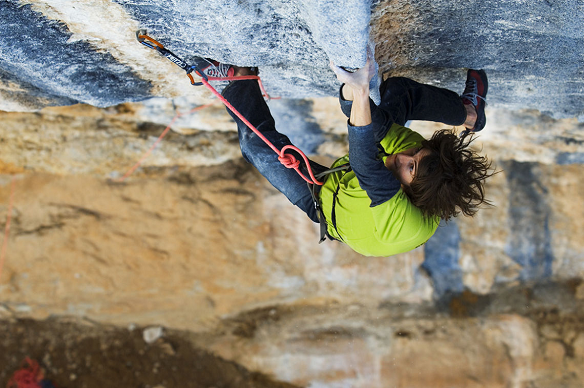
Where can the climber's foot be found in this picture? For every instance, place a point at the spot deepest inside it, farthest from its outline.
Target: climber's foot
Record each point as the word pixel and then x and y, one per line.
pixel 217 70
pixel 474 99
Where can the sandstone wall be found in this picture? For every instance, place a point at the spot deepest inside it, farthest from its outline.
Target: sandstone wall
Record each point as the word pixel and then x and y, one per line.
pixel 214 250
pixel 196 240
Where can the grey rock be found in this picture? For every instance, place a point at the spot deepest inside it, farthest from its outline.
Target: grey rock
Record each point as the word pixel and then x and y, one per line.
pixel 533 52
pixel 36 56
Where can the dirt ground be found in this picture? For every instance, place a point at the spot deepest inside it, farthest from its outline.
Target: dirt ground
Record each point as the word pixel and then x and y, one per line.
pixel 90 356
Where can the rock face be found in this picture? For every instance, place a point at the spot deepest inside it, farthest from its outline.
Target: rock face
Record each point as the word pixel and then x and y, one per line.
pixel 532 51
pixel 197 240
pixel 59 52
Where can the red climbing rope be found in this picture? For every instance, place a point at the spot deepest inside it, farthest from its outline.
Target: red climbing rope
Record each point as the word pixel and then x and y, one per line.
pixel 288 160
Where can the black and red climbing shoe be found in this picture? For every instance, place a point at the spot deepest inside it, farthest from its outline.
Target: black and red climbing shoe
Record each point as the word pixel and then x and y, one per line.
pixel 475 94
pixel 215 69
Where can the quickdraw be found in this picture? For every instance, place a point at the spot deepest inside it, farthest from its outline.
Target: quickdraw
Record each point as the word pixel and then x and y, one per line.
pixel 142 37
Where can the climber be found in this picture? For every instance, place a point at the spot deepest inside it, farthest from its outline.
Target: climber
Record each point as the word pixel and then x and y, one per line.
pixel 399 185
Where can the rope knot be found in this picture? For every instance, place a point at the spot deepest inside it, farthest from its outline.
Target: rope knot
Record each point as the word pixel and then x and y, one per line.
pixel 289 161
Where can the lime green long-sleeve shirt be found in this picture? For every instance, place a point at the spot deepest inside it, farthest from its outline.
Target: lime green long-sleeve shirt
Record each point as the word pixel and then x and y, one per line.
pixel 374 229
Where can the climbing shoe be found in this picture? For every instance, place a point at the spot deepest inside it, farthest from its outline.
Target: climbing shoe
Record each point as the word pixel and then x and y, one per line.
pixel 215 69
pixel 475 94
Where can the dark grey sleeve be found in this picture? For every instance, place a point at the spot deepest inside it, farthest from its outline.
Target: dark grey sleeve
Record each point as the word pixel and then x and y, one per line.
pixel 379 115
pixel 379 183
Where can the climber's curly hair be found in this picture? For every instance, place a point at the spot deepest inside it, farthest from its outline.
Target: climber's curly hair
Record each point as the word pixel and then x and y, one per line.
pixel 450 180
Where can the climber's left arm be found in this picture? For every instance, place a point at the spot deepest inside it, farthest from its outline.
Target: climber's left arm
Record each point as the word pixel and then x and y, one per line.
pixel 347 94
pixel 364 128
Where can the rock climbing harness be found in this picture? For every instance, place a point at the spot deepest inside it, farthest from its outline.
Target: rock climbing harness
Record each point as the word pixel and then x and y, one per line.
pixel 316 202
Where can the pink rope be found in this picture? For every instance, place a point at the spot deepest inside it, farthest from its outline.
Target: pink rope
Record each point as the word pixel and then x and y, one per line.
pixel 288 160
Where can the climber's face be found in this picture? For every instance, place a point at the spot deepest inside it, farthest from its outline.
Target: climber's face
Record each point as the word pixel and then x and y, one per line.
pixel 404 165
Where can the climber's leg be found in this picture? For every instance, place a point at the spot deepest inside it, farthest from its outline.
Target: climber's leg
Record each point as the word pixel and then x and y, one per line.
pixel 246 97
pixel 471 116
pixel 241 71
pixel 406 100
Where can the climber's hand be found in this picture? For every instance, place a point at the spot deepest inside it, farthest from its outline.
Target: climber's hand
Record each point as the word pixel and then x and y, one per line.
pixel 359 79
